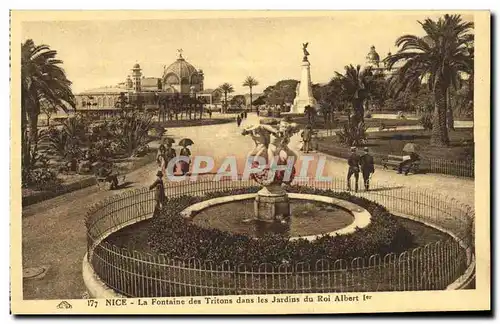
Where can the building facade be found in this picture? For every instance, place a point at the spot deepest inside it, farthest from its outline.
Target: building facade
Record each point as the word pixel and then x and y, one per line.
pixel 377 64
pixel 180 79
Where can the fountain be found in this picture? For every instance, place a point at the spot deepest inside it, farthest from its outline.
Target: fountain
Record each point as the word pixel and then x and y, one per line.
pixel 275 163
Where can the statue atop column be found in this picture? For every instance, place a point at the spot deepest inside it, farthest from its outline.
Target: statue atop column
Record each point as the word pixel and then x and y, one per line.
pixel 306 53
pixel 303 94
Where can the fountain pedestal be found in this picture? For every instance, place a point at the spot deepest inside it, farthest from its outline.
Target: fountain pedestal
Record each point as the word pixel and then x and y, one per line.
pixel 272 204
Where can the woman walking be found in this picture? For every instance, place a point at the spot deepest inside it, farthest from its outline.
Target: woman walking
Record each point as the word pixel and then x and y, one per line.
pixel 169 154
pixel 161 159
pixel 186 153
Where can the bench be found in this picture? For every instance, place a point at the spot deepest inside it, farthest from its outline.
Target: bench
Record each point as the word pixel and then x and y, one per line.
pixel 383 127
pixel 395 161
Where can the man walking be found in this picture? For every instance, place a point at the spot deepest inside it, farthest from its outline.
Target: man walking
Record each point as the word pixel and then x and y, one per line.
pixel 306 138
pixel 353 162
pixel 367 167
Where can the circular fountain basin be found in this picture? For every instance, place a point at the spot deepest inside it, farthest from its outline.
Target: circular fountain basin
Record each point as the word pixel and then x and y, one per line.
pixel 312 216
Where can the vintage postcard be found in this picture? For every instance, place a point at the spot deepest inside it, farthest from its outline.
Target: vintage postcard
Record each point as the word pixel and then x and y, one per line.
pixel 250 162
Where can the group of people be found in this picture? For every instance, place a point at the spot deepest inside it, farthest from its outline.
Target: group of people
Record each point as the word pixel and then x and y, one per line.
pixel 360 163
pixel 165 154
pixel 240 117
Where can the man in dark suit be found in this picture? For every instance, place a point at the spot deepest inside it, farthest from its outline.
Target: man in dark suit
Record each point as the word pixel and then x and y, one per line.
pixel 353 162
pixel 367 167
pixel 160 197
pixel 306 137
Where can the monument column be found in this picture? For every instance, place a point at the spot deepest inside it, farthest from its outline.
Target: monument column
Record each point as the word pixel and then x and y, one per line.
pixel 304 95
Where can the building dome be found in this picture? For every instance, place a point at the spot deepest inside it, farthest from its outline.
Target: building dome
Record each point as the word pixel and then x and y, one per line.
pixel 137 66
pixel 181 72
pixel 373 58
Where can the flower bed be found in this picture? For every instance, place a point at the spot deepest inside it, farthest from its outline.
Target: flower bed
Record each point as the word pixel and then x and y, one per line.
pixel 172 235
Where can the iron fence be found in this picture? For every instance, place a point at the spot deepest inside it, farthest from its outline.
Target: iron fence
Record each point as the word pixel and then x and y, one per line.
pixel 137 274
pixel 426 165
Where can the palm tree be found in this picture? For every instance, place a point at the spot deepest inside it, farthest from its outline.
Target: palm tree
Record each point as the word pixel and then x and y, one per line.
pixel 250 82
pixel 42 80
pixel 440 57
pixel 356 85
pixel 226 88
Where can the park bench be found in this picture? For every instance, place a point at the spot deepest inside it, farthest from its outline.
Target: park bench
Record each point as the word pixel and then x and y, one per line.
pixel 383 127
pixel 395 161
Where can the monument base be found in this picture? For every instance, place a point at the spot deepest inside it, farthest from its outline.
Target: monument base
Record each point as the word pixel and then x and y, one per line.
pixel 299 106
pixel 304 94
pixel 272 204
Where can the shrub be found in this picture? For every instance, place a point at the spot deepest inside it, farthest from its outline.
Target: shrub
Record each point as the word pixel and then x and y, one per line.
pixel 157 131
pixel 352 134
pixel 426 121
pixel 171 234
pixel 41 179
pixel 132 131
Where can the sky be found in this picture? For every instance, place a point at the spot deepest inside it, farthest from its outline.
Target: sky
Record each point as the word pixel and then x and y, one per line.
pixel 102 52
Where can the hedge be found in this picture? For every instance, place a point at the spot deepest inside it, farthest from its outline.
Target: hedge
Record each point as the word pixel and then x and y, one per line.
pixel 176 237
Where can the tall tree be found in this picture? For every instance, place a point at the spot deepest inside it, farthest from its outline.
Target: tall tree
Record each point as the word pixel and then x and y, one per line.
pixel 250 82
pixel 440 58
pixel 226 88
pixel 283 92
pixel 238 100
pixel 356 85
pixel 42 79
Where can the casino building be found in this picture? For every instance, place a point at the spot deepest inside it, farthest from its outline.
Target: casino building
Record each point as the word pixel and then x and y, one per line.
pixel 373 60
pixel 179 79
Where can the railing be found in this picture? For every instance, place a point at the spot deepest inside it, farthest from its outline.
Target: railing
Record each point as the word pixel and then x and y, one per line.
pixel 456 168
pixel 431 267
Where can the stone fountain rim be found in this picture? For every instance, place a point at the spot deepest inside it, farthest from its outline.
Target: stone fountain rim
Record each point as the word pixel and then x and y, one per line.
pixel 362 217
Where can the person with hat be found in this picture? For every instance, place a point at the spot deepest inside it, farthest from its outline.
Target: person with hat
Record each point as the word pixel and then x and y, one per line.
pixel 353 163
pixel 169 155
pixel 161 158
pixel 160 197
pixel 306 138
pixel 367 167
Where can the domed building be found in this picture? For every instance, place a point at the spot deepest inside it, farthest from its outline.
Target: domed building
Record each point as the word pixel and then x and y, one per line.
pixel 373 59
pixel 182 77
pixel 179 78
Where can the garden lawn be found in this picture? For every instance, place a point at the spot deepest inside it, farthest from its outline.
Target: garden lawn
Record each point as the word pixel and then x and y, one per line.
pixel 369 122
pixel 383 143
pixel 194 122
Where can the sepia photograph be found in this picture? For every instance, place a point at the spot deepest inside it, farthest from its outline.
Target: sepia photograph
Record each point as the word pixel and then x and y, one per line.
pixel 250 162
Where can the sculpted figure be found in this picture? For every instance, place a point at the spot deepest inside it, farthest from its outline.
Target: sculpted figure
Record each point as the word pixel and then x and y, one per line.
pixel 304 49
pixel 261 136
pixel 271 140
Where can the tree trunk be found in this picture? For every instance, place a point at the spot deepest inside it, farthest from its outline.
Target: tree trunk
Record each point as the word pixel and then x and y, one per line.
pixel 25 149
pixel 33 138
pixel 439 134
pixel 358 108
pixel 251 108
pixel 449 111
pixel 225 103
